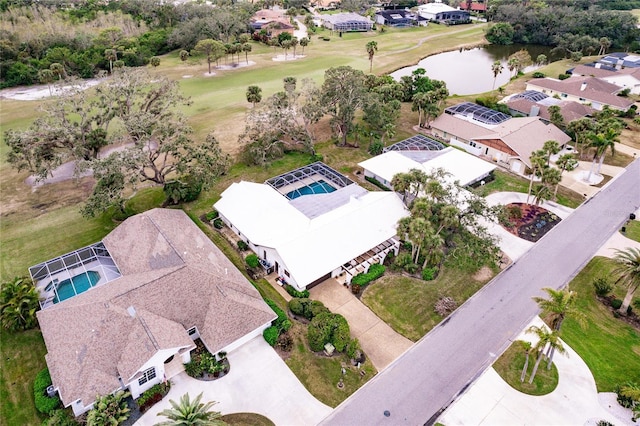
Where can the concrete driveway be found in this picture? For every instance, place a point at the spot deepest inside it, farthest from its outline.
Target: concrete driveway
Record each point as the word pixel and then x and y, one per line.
pixel 258 382
pixel 379 341
pixel 492 401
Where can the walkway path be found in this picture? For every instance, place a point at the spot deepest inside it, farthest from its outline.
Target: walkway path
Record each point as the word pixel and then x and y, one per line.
pixel 492 401
pixel 258 382
pixel 419 385
pixel 379 341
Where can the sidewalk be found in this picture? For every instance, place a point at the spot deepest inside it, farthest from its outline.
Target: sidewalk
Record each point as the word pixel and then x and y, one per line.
pixel 381 343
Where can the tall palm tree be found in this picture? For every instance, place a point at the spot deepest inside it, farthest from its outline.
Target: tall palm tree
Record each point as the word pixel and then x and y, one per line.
pixel 371 47
pixel 304 42
pixel 565 162
pixel 552 178
pixel 550 147
pixel 601 142
pixel 111 55
pixel 543 338
pixel 18 304
pixel 526 346
pixel 538 160
pixel 496 68
pixel 254 95
pixel 559 305
pixel 628 273
pixel 191 413
pixel 401 183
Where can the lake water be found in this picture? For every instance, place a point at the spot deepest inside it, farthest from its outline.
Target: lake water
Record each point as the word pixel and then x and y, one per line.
pixel 469 71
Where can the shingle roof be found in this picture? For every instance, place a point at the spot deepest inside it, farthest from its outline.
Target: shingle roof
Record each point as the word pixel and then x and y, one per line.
pixel 570 110
pixel 175 278
pixel 594 89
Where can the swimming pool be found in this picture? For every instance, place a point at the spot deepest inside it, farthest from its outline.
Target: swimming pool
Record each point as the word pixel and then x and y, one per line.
pixel 319 187
pixel 81 282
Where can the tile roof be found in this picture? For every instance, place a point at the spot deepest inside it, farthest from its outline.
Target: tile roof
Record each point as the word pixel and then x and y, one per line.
pixel 175 278
pixel 589 88
pixel 570 110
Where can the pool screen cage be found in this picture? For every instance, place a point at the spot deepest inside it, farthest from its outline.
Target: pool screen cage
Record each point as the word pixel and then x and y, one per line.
pixel 95 257
pixel 478 112
pixel 416 143
pixel 306 175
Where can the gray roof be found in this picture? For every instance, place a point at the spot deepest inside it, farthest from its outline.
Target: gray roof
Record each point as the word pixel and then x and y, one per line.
pixel 319 204
pixel 175 278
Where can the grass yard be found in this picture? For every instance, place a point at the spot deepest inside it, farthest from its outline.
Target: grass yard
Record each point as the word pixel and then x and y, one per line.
pixel 321 374
pixel 609 346
pixel 22 358
pixel 246 419
pixel 633 230
pixel 508 182
pixel 509 367
pixel 407 304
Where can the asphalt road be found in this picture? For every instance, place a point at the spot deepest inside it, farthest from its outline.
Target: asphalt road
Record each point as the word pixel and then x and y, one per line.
pixel 420 384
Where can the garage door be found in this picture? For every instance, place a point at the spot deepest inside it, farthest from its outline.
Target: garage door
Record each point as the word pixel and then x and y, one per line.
pixel 319 280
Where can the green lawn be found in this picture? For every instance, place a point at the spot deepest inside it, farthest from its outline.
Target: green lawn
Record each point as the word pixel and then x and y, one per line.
pixel 633 230
pixel 509 367
pixel 246 419
pixel 321 374
pixel 407 304
pixel 609 346
pixel 22 358
pixel 508 182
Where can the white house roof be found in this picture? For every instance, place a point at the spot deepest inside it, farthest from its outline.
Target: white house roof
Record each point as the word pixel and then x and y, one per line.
pixel 463 167
pixel 435 8
pixel 311 247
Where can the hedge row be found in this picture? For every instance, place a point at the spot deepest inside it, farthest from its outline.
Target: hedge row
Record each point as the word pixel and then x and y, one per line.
pixel 375 272
pixel 271 335
pixel 279 325
pixel 306 307
pixel 295 293
pixel 44 403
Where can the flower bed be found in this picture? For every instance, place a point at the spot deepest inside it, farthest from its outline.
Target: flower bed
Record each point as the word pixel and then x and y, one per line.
pixel 205 366
pixel 531 223
pixel 152 396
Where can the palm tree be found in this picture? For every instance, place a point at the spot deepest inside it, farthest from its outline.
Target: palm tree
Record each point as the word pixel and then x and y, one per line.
pixel 246 48
pixel 581 129
pixel 526 346
pixel 541 193
pixel 58 69
pixel 551 147
pixel 371 47
pixel 601 142
pixel 109 410
pixel 496 68
pixel 184 55
pixel 18 304
pixel 554 345
pixel 628 273
pixel 513 64
pixel 401 183
pixel 559 305
pixel 552 178
pixel 111 55
pixel 604 45
pixel 46 76
pixel 538 160
pixel 191 413
pixel 543 338
pixel 294 43
pixel 304 42
pixel 254 95
pixel 564 162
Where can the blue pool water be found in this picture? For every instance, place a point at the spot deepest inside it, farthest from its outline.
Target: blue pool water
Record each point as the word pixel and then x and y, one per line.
pixel 319 187
pixel 81 282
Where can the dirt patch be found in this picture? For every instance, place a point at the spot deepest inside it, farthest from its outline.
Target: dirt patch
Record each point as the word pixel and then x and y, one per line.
pixel 632 318
pixel 484 274
pixel 33 93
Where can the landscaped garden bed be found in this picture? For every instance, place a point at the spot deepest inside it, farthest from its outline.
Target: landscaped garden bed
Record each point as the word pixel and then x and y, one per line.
pixel 152 396
pixel 205 366
pixel 528 221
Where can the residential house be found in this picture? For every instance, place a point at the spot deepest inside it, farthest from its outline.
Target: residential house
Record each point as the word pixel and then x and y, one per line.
pixel 399 18
pixel 273 21
pixel 126 311
pixel 443 13
pixel 473 6
pixel 347 22
pixel 495 136
pixel 462 167
pixel 625 78
pixel 313 223
pixel 536 104
pixel 621 60
pixel 586 90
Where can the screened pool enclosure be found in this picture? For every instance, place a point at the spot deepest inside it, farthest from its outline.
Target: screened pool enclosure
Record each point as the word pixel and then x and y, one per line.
pixel 73 273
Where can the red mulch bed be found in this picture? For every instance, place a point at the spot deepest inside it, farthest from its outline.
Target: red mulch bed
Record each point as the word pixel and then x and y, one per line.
pixel 534 223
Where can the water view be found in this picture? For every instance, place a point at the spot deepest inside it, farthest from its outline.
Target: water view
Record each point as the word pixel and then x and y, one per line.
pixel 469 72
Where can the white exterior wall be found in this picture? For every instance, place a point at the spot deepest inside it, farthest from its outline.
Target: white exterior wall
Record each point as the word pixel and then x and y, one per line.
pixel 156 361
pixel 255 333
pixel 626 81
pixel 569 97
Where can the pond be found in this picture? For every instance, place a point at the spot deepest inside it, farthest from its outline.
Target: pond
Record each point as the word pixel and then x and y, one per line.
pixel 469 71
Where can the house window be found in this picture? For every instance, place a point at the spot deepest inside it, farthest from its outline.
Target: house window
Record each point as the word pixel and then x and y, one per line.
pixel 149 374
pixel 472 143
pixel 582 99
pixel 287 273
pixel 564 95
pixel 192 331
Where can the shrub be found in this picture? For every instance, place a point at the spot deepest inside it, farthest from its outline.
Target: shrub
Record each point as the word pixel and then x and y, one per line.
pixel 193 369
pixel 326 38
pixel 211 215
pixel 563 76
pixel 252 261
pixel 411 268
pixel 375 272
pixel 109 409
pixel 296 306
pixel 376 147
pixel 242 246
pixel 282 315
pixel 352 348
pixel 295 293
pixel 271 335
pixel 326 328
pixel 602 286
pixel 307 308
pixel 355 288
pixel 184 190
pixel 377 183
pixel 538 74
pixel 44 403
pixel 429 274
pixel 218 223
pixel 60 418
pixel 285 342
pixel 514 212
pixel 402 260
pixel 153 395
pixel 616 303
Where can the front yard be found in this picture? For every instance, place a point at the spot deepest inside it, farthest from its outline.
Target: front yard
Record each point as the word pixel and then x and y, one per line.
pixel 407 304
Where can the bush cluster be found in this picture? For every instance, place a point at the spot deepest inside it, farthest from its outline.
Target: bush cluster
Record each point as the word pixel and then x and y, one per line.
pixel 218 223
pixel 429 274
pixel 182 191
pixel 242 246
pixel 295 293
pixel 616 303
pixel 602 286
pixel 282 322
pixel 326 328
pixel 60 417
pixel 375 272
pixel 306 307
pixel 377 183
pixel 538 74
pixel 152 395
pixel 271 335
pixel 252 261
pixel 44 403
pixel 211 215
